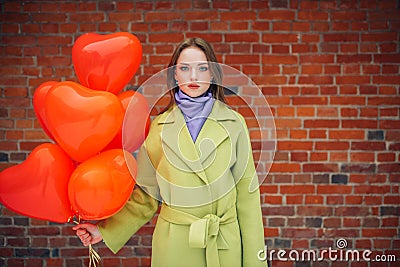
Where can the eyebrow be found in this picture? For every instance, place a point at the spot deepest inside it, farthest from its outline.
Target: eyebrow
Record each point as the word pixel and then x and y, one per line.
pixel 187 64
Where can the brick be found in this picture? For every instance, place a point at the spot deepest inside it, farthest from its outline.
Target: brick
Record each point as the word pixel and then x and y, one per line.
pixel 233 16
pixel 243 38
pixel 340 179
pixel 44 231
pixel 349 48
pixel 353 211
pixel 297 189
pixel 389 222
pixel 19 40
pixel 349 15
pixel 285 167
pixel 333 189
pixel 318 156
pixel 332 145
pixel 298 134
pixel 295 145
pixel 353 58
pixel 314 199
pixel 386 79
pixel 389 167
pixel 311 69
pixel 386 157
pixel 362 157
pixel 274 200
pixel 241 59
pixel 314 79
pixel 281 26
pixel 298 232
pixel 369 112
pixel 317 123
pixel 390 69
pixel 366 124
pixel 280 38
pixel 200 15
pixel 358 168
pixel 317 167
pixel 271 232
pixel 294 199
pixel 270 189
pixel 310 100
pixel 389 112
pixel 277 15
pixel 374 146
pixel 341 37
pixel 386 58
pixel 73 252
pixel 366 189
pixel 378 37
pixel 305 111
pixel 353 200
pixel 373 232
pixel 346 134
pixel 162 16
pixel 312 15
pixel 315 211
pixel 279 59
pixel 384 100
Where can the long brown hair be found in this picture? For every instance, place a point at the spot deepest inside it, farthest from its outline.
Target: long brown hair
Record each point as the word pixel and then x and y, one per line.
pixel 215 87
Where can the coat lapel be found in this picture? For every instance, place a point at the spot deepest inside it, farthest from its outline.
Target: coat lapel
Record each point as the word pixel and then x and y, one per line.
pixel 178 145
pixel 214 132
pixel 180 149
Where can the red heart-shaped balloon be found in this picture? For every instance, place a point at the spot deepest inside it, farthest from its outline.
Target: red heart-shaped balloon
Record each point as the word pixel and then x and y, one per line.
pixel 38 187
pixel 82 121
pixel 106 62
pixel 101 185
pixel 136 122
pixel 39 98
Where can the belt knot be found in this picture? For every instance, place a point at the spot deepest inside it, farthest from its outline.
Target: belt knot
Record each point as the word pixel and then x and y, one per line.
pixel 204 230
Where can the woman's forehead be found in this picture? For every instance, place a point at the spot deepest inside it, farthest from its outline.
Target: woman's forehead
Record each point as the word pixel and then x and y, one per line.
pixel 192 54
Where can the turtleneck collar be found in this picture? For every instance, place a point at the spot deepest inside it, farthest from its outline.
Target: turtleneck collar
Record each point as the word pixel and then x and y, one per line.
pixel 195 110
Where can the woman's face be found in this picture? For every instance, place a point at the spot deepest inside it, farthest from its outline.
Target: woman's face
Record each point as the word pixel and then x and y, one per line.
pixel 192 72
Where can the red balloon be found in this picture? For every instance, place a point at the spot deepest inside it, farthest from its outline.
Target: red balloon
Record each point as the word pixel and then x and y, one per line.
pixel 82 121
pixel 38 104
pixel 38 187
pixel 106 62
pixel 101 186
pixel 136 122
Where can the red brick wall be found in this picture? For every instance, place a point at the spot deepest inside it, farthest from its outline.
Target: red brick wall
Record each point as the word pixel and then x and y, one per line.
pixel 329 70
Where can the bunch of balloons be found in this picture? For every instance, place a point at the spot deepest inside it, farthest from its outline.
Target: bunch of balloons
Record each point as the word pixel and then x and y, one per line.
pixel 88 171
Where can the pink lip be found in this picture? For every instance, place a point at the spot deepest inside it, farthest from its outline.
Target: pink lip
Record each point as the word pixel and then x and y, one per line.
pixel 193 86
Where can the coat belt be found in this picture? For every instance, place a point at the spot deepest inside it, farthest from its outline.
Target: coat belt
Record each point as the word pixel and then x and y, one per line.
pixel 204 232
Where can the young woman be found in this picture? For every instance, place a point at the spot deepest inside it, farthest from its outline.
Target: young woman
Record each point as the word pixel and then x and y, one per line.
pixel 197 161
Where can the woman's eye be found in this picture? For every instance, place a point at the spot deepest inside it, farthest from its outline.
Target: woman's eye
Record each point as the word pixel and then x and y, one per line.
pixel 203 68
pixel 184 68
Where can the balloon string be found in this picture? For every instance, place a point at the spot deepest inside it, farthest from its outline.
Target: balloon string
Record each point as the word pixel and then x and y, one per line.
pixel 94 257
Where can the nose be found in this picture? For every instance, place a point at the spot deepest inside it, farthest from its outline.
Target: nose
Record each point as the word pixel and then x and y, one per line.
pixel 193 75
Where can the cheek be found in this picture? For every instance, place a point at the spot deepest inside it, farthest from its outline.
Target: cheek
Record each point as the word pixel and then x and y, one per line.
pixel 205 77
pixel 180 76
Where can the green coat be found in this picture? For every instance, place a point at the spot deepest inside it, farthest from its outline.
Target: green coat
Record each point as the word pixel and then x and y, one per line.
pixel 209 216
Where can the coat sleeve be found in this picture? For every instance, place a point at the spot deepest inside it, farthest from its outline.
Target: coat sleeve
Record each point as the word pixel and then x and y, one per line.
pixel 139 209
pixel 248 202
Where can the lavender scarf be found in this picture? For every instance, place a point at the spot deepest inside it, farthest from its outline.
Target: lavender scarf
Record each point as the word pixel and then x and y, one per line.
pixel 195 110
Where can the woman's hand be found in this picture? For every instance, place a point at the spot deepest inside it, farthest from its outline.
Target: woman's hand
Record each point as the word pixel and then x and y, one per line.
pixel 88 233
